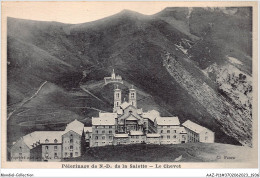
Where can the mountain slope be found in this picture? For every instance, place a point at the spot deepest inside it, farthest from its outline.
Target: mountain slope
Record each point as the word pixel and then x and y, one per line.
pixel 143 50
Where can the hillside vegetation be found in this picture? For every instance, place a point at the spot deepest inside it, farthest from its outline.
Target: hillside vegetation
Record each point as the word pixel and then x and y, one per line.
pixel 142 49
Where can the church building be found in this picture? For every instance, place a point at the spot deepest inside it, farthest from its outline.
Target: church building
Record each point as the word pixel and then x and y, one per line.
pixel 128 124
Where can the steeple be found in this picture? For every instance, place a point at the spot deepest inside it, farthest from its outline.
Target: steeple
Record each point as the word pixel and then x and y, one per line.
pixel 113 75
pixel 132 96
pixel 117 98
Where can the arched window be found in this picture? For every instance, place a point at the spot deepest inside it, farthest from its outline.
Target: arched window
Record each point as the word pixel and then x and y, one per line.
pixel 117 95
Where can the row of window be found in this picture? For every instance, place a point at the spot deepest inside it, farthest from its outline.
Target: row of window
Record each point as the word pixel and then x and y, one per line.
pixel 103 127
pixel 103 132
pixel 47 141
pixel 168 131
pixel 47 147
pixel 70 141
pixel 104 137
pixel 71 154
pixel 70 147
pixel 55 155
pixel 137 137
pixel 168 136
pixel 160 127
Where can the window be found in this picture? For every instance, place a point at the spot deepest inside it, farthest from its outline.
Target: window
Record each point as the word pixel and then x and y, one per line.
pixel 174 136
pixel 71 154
pixel 168 126
pixel 46 147
pixel 103 137
pixel 55 141
pixel 71 140
pixel 110 137
pixel 97 131
pixel 162 137
pixel 76 153
pixel 137 137
pixel 206 138
pixel 132 95
pixel 71 147
pixel 174 131
pixel 55 147
pixel 46 141
pixel 110 127
pixel 110 131
pixel 96 127
pixel 168 131
pixel 55 155
pixel 117 95
pixel 66 154
pixel 161 131
pixel 117 103
pixel 168 137
pixel 96 137
pixel 103 131
pixel 20 154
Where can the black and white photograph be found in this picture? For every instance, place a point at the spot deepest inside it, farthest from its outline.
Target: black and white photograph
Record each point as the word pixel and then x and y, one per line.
pixel 176 85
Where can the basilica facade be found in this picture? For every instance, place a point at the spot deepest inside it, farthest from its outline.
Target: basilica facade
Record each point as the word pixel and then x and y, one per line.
pixel 128 124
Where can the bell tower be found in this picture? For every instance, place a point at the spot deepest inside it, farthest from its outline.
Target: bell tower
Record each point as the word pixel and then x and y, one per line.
pixel 132 96
pixel 117 98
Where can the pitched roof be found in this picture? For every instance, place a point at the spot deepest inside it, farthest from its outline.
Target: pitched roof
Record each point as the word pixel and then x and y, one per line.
pixel 120 135
pixel 75 126
pixel 153 135
pixel 136 132
pixel 182 130
pixel 41 137
pixel 125 105
pixel 151 115
pixel 104 119
pixel 167 121
pixel 87 129
pixel 194 127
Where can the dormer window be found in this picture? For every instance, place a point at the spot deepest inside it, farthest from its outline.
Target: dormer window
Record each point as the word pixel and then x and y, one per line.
pixel 55 141
pixel 46 141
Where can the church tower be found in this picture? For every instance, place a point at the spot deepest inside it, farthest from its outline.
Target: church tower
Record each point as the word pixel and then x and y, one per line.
pixel 132 96
pixel 113 75
pixel 117 98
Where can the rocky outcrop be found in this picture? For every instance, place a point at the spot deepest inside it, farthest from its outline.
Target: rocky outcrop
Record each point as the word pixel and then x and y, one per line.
pixel 234 123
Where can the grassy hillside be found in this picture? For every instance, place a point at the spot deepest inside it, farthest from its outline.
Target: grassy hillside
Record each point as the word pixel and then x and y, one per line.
pixel 189 152
pixel 136 46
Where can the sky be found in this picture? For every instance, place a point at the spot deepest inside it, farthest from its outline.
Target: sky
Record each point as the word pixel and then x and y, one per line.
pixel 80 12
pixel 75 12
